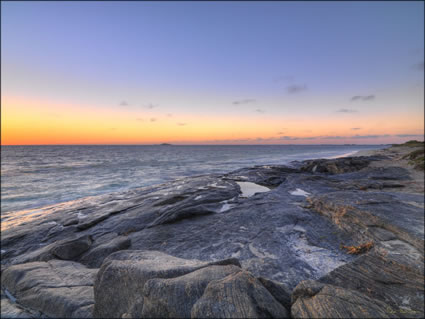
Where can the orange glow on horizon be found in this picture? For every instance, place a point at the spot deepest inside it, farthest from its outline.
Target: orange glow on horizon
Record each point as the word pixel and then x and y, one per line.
pixel 36 122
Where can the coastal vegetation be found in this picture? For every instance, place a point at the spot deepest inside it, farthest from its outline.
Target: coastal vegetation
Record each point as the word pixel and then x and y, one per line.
pixel 416 157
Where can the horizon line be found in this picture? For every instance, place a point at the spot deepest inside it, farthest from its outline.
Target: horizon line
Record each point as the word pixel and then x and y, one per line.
pixel 170 144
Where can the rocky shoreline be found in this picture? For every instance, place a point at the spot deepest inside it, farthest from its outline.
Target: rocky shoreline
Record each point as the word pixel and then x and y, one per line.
pixel 332 238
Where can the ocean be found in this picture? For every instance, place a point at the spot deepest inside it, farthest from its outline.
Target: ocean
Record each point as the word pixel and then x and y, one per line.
pixel 37 176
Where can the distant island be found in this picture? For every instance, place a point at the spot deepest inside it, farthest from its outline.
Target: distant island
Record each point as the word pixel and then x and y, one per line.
pixel 165 144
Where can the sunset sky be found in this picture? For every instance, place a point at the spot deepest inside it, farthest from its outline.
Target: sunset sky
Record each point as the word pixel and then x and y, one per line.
pixel 212 72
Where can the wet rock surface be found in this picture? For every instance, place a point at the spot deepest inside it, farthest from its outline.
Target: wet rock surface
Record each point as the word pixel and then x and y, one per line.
pixel 196 247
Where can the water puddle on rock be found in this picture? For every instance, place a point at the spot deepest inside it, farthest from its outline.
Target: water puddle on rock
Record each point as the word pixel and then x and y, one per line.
pixel 299 192
pixel 248 189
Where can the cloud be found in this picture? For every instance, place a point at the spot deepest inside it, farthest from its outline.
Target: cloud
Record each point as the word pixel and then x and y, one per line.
pixel 288 138
pixel 260 111
pixel 124 103
pixel 139 119
pixel 369 136
pixel 410 135
pixel 346 111
pixel 153 119
pixel 112 128
pixel 296 88
pixel 284 130
pixel 356 128
pixel 181 124
pixel 151 105
pixel 246 101
pixel 169 115
pixel 418 66
pixel 363 97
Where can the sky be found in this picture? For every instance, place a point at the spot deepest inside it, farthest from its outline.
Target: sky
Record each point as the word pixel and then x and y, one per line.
pixel 212 72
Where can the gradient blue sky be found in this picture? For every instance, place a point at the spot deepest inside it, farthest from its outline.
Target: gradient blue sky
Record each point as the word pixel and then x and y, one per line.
pixel 236 72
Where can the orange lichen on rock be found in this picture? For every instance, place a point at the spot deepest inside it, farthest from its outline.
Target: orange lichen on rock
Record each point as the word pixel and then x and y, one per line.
pixel 356 250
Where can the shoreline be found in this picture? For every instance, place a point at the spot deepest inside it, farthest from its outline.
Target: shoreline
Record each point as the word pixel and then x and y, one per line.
pixel 35 209
pixel 345 227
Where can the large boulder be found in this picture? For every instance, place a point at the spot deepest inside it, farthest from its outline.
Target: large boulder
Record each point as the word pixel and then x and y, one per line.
pixel 58 289
pixel 71 248
pixel 312 299
pixel 152 284
pixel 278 290
pixel 95 256
pixel 120 282
pixel 238 295
pixel 175 297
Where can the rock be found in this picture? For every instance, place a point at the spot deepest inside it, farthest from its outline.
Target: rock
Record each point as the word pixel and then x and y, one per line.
pixel 128 271
pixel 361 213
pixel 336 166
pixel 238 295
pixel 94 257
pixel 10 309
pixel 189 207
pixel 71 221
pixel 70 249
pixel 67 249
pixel 314 300
pixel 41 254
pixel 174 298
pixel 278 290
pixel 386 276
pixel 289 234
pixel 269 175
pixel 178 213
pixel 59 289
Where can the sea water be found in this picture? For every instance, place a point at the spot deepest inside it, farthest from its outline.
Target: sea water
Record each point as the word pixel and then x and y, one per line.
pixel 36 176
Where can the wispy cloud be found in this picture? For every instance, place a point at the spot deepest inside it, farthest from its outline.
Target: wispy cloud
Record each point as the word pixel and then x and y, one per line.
pixel 153 119
pixel 410 135
pixel 346 111
pixel 260 111
pixel 356 128
pixel 294 138
pixel 363 97
pixel 338 137
pixel 370 136
pixel 181 124
pixel 296 88
pixel 112 128
pixel 169 115
pixel 140 119
pixel 246 101
pixel 124 103
pixel 418 66
pixel 151 105
pixel 284 130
